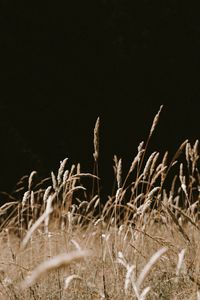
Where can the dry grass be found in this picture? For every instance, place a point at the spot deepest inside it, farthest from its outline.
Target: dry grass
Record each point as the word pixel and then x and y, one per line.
pixel 61 242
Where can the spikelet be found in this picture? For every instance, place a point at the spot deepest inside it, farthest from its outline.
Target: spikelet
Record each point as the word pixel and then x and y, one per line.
pixel 183 181
pixel 30 180
pixel 144 293
pixel 180 261
pixel 97 202
pixel 138 197
pixel 155 121
pixel 96 140
pixel 54 181
pixel 91 203
pixel 69 279
pixel 32 201
pixel 119 173
pixel 195 155
pixel 195 147
pixel 148 165
pixel 138 157
pixel 181 173
pixel 164 164
pixel 121 260
pixel 54 263
pixel 48 211
pixel 78 168
pixel 76 245
pixel 149 265
pixel 128 277
pixel 140 147
pixel 136 160
pixel 65 176
pixel 73 167
pixel 61 170
pixel 164 160
pixel 153 163
pixel 115 164
pixel 25 198
pixel 153 191
pixel 187 153
pixel 178 152
pixel 34 227
pixel 160 172
pixel 47 193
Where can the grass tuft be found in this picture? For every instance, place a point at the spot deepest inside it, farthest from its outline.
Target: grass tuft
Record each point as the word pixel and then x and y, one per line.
pixel 59 241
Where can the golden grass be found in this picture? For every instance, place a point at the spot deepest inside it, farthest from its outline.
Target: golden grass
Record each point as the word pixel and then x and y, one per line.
pixel 143 243
pixel 54 263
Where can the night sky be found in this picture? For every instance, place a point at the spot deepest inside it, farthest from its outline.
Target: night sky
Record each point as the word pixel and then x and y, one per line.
pixel 65 63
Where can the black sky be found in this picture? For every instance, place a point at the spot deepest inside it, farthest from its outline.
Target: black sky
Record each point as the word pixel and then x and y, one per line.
pixel 64 64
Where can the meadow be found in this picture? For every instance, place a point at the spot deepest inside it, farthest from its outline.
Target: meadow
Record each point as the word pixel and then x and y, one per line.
pixel 60 241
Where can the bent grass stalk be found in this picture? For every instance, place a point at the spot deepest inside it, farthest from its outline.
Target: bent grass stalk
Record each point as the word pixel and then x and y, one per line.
pixel 54 263
pixel 35 226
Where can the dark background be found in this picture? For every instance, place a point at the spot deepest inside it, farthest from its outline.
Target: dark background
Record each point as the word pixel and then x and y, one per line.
pixel 65 63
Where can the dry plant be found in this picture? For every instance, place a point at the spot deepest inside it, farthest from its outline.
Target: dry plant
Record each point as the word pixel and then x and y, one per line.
pixel 143 243
pixel 54 263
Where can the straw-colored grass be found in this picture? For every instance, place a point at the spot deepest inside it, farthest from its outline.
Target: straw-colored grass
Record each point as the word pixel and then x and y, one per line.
pixel 54 263
pixel 61 242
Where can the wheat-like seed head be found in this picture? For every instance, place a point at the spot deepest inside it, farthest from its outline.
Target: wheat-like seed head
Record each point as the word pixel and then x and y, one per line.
pixel 76 245
pixel 153 192
pixel 65 176
pixel 96 139
pixel 128 277
pixel 25 198
pixel 119 173
pixel 178 152
pixel 149 265
pixel 30 180
pixel 32 201
pixel 61 170
pixel 164 160
pixel 187 153
pixel 47 193
pixel 164 164
pixel 54 263
pixel 195 147
pixel 48 211
pixel 180 261
pixel 158 173
pixel 35 226
pixel 154 163
pixel 181 172
pixel 54 181
pixel 69 279
pixel 148 165
pixel 115 159
pixel 136 160
pixel 155 121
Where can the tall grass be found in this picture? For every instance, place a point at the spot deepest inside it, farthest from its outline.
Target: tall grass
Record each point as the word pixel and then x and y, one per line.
pixel 58 241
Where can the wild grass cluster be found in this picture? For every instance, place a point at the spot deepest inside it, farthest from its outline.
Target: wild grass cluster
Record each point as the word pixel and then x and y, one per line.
pixel 61 241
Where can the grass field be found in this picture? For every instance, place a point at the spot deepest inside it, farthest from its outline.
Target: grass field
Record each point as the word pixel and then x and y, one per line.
pixel 59 241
